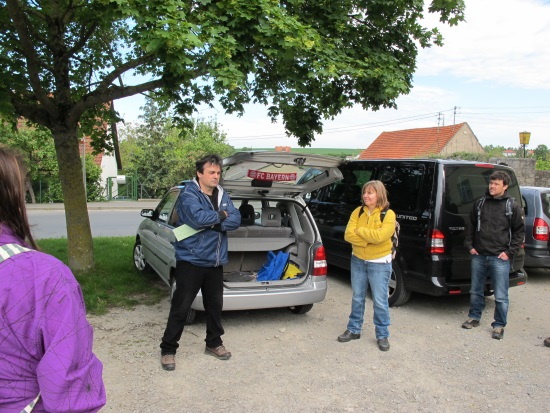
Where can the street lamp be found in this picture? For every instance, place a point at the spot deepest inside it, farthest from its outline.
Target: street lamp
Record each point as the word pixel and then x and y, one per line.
pixel 524 140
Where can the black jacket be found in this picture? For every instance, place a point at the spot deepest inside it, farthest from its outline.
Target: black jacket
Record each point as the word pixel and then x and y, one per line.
pixel 494 235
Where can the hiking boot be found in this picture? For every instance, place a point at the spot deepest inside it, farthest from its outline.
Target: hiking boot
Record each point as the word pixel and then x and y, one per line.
pixel 219 352
pixel 383 344
pixel 469 323
pixel 498 333
pixel 547 342
pixel 348 336
pixel 168 361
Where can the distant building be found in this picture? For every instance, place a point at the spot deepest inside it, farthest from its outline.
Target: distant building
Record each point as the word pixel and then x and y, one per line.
pixel 415 143
pixel 282 148
pixel 509 153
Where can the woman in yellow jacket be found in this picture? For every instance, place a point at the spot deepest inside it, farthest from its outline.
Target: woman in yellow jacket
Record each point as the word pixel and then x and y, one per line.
pixel 371 257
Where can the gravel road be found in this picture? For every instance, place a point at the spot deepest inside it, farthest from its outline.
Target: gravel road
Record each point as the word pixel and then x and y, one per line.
pixel 284 362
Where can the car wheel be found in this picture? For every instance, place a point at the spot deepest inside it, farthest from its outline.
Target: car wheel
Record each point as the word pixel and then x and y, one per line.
pixel 301 309
pixel 191 314
pixel 140 262
pixel 397 294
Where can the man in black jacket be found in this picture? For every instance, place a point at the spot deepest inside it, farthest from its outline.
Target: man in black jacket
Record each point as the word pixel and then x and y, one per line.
pixel 494 234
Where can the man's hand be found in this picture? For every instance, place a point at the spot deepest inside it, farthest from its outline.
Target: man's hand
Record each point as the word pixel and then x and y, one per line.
pixel 503 256
pixel 474 252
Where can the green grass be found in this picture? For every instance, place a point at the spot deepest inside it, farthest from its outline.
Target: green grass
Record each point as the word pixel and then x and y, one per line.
pixel 113 282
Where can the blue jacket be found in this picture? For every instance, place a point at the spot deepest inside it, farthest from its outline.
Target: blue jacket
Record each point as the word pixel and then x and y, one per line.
pixel 207 248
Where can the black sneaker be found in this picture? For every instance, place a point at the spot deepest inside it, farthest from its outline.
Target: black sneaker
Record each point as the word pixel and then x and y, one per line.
pixel 348 336
pixel 469 323
pixel 383 344
pixel 498 333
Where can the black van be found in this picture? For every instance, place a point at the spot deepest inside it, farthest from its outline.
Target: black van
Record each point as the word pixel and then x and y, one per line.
pixel 432 199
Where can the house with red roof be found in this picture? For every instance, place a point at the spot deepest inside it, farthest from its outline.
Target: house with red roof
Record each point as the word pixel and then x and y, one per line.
pixel 421 142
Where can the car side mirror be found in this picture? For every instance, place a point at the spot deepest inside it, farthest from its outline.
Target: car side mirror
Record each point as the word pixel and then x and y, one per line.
pixel 147 213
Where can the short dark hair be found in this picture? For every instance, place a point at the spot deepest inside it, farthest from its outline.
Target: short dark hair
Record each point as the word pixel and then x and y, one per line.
pixel 501 176
pixel 208 159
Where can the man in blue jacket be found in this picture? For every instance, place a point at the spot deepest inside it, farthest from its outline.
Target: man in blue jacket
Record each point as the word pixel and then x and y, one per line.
pixel 207 208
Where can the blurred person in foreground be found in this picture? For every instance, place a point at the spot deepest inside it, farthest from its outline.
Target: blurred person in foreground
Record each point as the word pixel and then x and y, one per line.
pixel 46 358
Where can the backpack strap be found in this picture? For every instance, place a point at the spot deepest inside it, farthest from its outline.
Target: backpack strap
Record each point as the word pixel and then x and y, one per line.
pixel 383 214
pixel 9 250
pixel 479 205
pixel 509 212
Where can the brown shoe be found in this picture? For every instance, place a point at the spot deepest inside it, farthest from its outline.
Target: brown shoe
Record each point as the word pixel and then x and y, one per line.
pixel 219 352
pixel 547 342
pixel 168 361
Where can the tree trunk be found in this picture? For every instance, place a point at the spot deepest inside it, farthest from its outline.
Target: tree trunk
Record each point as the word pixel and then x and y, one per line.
pixel 79 233
pixel 31 191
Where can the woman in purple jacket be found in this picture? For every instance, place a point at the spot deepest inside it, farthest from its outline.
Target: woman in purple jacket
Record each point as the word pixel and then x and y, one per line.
pixel 46 357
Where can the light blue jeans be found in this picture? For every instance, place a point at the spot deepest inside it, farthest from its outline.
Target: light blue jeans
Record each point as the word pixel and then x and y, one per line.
pixel 377 276
pixel 483 267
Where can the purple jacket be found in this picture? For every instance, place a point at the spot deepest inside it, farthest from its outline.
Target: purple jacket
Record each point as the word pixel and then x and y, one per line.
pixel 45 339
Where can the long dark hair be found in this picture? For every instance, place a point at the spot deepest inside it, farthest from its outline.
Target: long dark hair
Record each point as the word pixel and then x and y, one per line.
pixel 13 212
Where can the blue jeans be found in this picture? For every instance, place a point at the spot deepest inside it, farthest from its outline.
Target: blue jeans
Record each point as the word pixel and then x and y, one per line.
pixel 484 266
pixel 377 275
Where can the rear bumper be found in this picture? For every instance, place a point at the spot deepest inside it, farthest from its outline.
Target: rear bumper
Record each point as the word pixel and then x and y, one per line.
pixel 270 297
pixel 537 257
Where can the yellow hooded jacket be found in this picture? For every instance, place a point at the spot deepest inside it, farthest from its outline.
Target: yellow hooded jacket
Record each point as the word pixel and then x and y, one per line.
pixel 373 237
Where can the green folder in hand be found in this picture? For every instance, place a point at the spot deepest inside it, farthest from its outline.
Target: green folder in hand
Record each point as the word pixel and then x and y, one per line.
pixel 185 231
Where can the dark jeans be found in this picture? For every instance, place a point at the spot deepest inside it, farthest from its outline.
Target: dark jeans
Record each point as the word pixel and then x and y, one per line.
pixel 189 280
pixel 497 271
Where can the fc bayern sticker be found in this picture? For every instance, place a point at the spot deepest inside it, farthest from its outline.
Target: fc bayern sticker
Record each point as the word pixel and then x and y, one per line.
pixel 271 176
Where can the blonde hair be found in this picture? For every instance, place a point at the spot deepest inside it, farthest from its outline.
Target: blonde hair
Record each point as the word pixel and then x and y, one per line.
pixel 381 193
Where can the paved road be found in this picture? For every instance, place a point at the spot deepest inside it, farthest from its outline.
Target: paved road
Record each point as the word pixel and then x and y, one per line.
pixel 108 219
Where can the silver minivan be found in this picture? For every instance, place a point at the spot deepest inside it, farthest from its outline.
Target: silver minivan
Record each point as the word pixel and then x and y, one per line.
pixel 536 201
pixel 263 186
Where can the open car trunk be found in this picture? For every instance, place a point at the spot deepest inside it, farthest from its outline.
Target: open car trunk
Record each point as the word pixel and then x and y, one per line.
pixel 268 225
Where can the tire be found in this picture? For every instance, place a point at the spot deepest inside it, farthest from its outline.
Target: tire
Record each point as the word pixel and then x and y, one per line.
pixel 191 314
pixel 140 263
pixel 301 309
pixel 397 293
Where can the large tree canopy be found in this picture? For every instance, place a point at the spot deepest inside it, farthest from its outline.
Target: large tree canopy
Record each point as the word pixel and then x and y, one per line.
pixel 63 61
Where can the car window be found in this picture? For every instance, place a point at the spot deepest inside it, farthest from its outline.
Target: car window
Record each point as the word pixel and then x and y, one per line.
pixel 465 184
pixel 164 208
pixel 348 190
pixel 545 200
pixel 525 206
pixel 404 183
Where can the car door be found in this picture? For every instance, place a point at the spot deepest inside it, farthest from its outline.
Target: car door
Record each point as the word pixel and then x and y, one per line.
pixel 162 246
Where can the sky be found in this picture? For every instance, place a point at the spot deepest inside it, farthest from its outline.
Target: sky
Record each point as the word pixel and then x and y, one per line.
pixel 493 72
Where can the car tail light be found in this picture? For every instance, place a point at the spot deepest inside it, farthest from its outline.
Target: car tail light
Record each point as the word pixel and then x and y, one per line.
pixel 320 262
pixel 540 230
pixel 437 245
